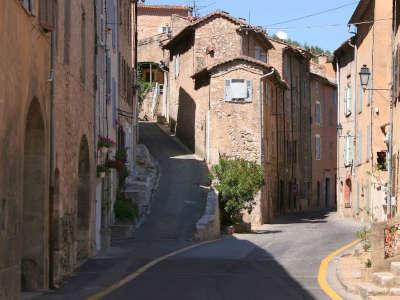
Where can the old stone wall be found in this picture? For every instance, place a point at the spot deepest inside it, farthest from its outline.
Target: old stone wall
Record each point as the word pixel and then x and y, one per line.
pixel 74 135
pixel 24 137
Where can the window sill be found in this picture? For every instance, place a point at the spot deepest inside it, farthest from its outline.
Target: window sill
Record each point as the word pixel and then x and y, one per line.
pixel 238 101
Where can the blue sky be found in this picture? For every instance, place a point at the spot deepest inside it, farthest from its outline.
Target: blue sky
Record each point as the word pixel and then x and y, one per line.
pixel 327 30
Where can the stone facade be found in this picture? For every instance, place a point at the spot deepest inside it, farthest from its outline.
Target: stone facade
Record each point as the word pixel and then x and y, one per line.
pixel 25 105
pixel 364 115
pixel 293 129
pixel 74 151
pixel 324 141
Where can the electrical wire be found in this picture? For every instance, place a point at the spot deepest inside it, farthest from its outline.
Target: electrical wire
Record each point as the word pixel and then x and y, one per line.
pixel 315 14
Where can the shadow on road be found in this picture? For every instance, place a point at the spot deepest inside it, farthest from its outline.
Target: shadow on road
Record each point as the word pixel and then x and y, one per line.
pixel 303 217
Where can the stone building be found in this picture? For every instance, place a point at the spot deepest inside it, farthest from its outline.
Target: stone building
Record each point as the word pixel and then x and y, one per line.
pixel 25 122
pixel 218 74
pixel 363 114
pixel 73 145
pixel 157 24
pixel 293 129
pixel 323 138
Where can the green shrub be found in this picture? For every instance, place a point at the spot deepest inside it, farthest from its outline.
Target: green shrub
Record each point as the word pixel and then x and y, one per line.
pixel 237 181
pixel 124 209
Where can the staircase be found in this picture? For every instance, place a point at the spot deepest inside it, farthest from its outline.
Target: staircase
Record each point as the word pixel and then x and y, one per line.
pixel 384 285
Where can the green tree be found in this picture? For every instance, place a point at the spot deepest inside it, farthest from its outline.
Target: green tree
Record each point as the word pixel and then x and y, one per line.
pixel 237 182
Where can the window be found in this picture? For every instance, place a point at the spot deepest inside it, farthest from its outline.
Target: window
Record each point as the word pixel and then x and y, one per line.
pixel 165 29
pixel 318 112
pixel 101 30
pixel 238 90
pixel 83 46
pixel 29 5
pixel 348 150
pixel 318 147
pixel 46 14
pixel 177 61
pixel 260 54
pixel 348 101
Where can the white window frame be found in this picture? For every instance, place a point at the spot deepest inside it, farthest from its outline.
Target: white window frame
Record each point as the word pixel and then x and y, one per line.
pixel 228 91
pixel 318 147
pixel 318 116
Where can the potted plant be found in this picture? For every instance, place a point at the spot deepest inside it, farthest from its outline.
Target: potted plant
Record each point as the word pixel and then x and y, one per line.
pixel 101 171
pixel 104 144
pixel 115 164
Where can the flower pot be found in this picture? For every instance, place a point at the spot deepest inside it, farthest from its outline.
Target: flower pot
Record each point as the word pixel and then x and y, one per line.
pixel 104 150
pixel 102 174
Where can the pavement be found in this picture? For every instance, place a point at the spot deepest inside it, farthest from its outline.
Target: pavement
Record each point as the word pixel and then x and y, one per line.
pixel 280 261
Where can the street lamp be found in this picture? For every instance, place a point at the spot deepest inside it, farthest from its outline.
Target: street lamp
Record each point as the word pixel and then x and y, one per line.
pixel 364 76
pixel 339 129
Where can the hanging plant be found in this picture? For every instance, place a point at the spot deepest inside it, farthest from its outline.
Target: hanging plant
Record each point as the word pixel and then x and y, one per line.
pixel 101 171
pixel 115 164
pixel 105 142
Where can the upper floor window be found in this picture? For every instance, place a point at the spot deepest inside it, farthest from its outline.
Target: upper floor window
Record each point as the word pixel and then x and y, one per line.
pixel 318 147
pixel 177 64
pixel 348 150
pixel 348 98
pixel 47 14
pixel 165 29
pixel 29 5
pixel 238 90
pixel 260 54
pixel 318 112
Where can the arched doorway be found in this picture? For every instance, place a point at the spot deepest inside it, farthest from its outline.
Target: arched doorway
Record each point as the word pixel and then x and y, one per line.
pixel 83 205
pixel 33 258
pixel 347 193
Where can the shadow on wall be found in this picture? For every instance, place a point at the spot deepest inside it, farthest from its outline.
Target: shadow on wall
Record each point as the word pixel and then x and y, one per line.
pixel 185 128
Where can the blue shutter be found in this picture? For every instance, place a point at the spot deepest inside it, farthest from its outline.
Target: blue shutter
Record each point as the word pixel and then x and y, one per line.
pixel 114 101
pixel 108 79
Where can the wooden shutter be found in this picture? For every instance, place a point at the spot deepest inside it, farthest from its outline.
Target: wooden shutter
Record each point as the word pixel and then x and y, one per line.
pixel 249 90
pixel 228 94
pixel 46 14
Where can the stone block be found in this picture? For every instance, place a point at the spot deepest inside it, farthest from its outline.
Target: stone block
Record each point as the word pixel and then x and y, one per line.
pixel 383 279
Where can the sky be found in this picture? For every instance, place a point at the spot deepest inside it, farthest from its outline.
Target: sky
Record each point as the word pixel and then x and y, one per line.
pixel 328 30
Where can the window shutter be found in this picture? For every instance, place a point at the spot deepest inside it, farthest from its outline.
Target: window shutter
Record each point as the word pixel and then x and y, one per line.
pixel 114 101
pixel 349 100
pixel 359 148
pixel 228 94
pixel 351 149
pixel 360 99
pixel 369 134
pixel 346 151
pixel 249 90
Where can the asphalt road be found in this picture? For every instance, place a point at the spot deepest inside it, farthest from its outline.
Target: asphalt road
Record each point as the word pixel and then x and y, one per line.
pixel 280 262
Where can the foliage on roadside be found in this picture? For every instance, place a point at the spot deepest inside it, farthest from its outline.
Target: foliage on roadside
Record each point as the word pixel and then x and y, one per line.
pixel 125 209
pixel 363 236
pixel 237 181
pixel 143 87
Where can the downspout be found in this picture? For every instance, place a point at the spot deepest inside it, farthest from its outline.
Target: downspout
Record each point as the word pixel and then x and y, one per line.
pixel 355 101
pixel 262 92
pixel 338 102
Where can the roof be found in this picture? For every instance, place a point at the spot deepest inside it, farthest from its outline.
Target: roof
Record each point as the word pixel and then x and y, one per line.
pixel 359 11
pixel 295 49
pixel 244 59
pixel 217 14
pixel 324 79
pixel 343 47
pixel 164 7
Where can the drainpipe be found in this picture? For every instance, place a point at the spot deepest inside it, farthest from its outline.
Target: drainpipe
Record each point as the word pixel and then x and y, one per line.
pixel 262 114
pixel 339 87
pixel 355 101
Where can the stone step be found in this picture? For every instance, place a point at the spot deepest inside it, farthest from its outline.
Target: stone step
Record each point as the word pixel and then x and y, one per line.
pixel 383 279
pixel 395 268
pixel 369 289
pixel 122 232
pixel 383 298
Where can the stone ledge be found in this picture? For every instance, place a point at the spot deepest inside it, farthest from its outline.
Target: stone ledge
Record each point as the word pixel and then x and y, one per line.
pixel 208 227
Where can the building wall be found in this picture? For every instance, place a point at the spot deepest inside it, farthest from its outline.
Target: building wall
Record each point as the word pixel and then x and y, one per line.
pixel 324 169
pixel 370 109
pixel 24 70
pixel 151 20
pixel 74 128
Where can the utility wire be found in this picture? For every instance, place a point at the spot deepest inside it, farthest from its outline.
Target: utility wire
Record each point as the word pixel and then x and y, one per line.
pixel 314 14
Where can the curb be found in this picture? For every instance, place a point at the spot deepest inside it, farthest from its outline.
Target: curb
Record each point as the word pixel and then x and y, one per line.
pixel 347 287
pixel 322 273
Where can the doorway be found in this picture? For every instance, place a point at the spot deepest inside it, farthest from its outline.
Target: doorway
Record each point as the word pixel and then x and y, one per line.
pixel 327 192
pixel 33 254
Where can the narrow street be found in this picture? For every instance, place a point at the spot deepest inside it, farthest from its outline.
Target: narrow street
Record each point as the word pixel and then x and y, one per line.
pixel 280 262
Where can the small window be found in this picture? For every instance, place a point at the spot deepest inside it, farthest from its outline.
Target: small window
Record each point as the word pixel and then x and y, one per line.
pixel 348 150
pixel 318 112
pixel 348 101
pixel 29 5
pixel 165 29
pixel 177 62
pixel 260 54
pixel 46 14
pixel 318 147
pixel 238 90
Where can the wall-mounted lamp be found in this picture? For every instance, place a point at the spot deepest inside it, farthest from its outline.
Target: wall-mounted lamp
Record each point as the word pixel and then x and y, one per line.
pixel 365 75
